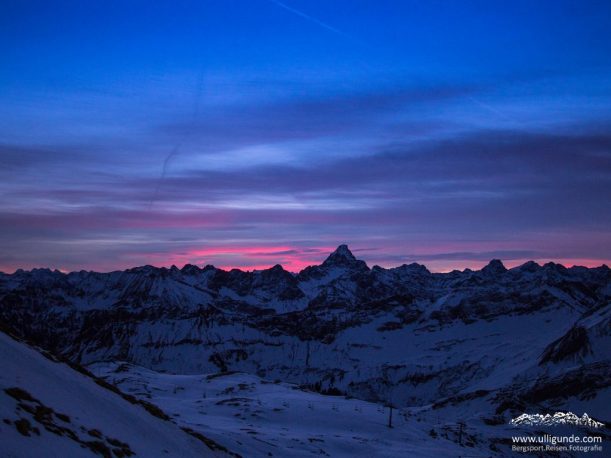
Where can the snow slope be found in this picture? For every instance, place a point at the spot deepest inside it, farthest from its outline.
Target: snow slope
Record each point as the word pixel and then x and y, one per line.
pixel 47 409
pixel 258 417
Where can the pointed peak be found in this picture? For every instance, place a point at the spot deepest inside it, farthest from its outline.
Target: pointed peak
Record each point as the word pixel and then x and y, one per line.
pixel 529 266
pixel 275 274
pixel 275 270
pixel 414 267
pixel 146 269
pixel 344 251
pixel 341 254
pixel 190 269
pixel 495 267
pixel 343 257
pixel 553 266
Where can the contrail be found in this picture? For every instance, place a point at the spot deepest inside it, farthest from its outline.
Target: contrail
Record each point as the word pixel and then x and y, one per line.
pixel 322 24
pixel 308 17
pixel 192 125
pixel 493 110
pixel 175 151
pixel 186 136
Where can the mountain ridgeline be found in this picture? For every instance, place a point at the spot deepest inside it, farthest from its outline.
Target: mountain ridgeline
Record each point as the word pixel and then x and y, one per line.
pixel 508 339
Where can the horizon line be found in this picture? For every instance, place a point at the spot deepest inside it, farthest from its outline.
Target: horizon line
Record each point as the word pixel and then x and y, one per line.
pixel 509 264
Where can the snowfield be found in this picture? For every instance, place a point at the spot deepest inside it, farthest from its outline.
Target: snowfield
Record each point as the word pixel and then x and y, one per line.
pixel 259 418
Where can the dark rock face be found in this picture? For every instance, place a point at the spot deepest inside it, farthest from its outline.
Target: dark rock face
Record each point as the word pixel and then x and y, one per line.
pixel 343 257
pixel 582 383
pixel 574 343
pixel 494 267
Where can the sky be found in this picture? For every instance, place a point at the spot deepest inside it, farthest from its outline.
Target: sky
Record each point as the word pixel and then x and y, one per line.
pixel 250 133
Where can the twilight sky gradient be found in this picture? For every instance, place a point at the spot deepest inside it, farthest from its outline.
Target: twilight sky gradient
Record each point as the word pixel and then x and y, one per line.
pixel 250 133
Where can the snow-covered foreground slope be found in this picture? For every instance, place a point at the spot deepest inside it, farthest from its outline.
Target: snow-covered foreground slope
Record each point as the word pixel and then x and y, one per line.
pixel 48 409
pixel 259 418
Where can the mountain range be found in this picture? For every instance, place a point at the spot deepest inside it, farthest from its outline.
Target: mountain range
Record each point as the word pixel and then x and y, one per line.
pixel 468 348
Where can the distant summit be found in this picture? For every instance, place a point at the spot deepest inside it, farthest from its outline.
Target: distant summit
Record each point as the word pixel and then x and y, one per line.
pixel 494 267
pixel 343 257
pixel 341 254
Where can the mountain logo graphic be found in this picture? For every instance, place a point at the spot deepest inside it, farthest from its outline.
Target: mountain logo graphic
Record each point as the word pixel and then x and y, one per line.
pixel 559 418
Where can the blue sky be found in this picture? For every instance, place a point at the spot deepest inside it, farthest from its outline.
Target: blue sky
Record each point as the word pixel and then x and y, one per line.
pixel 249 133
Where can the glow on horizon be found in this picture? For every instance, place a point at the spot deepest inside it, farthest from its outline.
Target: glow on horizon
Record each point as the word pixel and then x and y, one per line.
pixel 292 260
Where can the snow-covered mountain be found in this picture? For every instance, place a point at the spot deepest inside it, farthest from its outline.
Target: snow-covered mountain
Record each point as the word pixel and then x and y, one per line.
pixel 49 409
pixel 479 347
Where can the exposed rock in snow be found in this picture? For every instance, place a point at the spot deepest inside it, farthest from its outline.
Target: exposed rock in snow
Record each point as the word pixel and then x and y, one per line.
pixel 48 409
